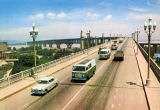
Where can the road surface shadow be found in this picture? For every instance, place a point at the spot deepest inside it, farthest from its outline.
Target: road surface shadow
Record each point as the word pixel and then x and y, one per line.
pixel 132 83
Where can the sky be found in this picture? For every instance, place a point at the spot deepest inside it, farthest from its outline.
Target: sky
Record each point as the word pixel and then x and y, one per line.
pixel 58 19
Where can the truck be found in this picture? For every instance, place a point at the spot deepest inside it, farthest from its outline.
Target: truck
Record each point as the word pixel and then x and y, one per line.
pixel 114 41
pixel 84 70
pixel 119 55
pixel 121 41
pixel 114 47
pixel 104 53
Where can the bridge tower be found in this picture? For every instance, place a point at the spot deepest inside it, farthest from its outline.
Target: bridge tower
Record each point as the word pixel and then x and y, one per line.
pixel 82 40
pixel 88 39
pixel 102 40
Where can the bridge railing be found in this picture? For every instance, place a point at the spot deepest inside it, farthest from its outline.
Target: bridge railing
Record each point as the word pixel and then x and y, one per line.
pixel 24 74
pixel 155 68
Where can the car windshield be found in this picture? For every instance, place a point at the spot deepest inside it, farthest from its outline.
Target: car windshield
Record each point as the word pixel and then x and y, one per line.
pixel 43 82
pixel 103 52
pixel 78 68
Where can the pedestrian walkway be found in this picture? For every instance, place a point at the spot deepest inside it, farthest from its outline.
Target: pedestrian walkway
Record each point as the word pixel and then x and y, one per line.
pixel 153 90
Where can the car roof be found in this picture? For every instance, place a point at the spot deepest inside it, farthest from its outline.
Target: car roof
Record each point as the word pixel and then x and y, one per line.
pixel 46 78
pixel 105 50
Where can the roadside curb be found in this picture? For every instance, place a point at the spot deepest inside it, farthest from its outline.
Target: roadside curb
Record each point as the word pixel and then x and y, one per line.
pixel 144 88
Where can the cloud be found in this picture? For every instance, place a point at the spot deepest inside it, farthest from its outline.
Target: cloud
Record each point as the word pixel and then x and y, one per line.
pixel 92 16
pixel 108 17
pixel 154 3
pixel 61 15
pixel 104 4
pixel 51 15
pixel 138 9
pixel 136 16
pixel 37 17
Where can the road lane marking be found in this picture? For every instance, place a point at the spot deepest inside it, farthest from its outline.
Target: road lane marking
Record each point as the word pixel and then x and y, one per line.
pixel 112 105
pixel 79 90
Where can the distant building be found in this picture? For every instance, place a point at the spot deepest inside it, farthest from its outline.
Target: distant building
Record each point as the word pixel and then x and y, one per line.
pixel 4 53
pixel 3 46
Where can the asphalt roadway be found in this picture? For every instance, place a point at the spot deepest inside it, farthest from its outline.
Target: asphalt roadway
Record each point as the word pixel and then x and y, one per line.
pixel 115 86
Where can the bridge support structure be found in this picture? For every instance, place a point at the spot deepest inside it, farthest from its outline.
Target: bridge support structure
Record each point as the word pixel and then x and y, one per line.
pixel 58 46
pixel 50 45
pixel 88 39
pixel 102 40
pixel 69 46
pixel 96 41
pixel 82 40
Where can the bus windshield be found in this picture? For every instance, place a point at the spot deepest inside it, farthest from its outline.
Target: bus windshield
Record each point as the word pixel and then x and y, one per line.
pixel 78 68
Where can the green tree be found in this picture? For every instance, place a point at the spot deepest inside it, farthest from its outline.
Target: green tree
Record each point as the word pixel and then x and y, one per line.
pixel 26 61
pixel 14 48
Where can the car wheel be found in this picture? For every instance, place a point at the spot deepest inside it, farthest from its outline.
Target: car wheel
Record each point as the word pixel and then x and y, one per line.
pixel 46 91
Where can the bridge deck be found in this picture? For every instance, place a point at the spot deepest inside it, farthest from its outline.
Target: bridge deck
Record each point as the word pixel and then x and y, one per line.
pixel 116 85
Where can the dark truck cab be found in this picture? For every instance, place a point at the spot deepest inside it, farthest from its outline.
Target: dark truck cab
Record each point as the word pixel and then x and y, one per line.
pixel 119 55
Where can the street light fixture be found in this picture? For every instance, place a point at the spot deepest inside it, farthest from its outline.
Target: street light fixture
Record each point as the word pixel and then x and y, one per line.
pixel 137 32
pixel 34 33
pixel 149 33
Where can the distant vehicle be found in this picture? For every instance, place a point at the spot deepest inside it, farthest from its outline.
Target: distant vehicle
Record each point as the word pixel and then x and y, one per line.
pixel 121 41
pixel 44 85
pixel 104 53
pixel 114 41
pixel 84 70
pixel 114 47
pixel 119 55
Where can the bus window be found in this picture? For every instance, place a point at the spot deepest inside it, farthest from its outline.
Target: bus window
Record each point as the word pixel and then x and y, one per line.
pixel 89 66
pixel 86 68
pixel 78 68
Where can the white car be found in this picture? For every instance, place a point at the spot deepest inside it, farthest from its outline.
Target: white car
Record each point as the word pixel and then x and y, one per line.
pixel 44 85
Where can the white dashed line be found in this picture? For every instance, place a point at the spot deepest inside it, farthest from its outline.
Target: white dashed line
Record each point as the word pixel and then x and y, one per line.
pixel 78 92
pixel 112 105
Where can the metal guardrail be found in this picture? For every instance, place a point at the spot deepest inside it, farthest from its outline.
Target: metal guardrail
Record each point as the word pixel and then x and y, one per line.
pixel 155 68
pixel 24 74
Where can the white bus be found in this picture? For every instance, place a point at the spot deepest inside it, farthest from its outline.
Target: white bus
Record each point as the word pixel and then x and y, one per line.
pixel 84 70
pixel 104 53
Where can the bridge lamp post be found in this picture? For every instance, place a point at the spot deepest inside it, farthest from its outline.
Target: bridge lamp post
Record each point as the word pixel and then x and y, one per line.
pixel 34 33
pixel 137 32
pixel 151 29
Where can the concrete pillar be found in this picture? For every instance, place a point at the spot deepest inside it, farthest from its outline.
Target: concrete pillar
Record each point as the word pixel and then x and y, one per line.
pixel 44 45
pixel 50 45
pixel 82 40
pixel 96 41
pixel 58 46
pixel 102 40
pixel 93 44
pixel 69 46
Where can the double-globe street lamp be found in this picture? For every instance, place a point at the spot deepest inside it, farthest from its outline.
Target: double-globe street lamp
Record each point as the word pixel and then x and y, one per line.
pixel 151 29
pixel 137 32
pixel 34 33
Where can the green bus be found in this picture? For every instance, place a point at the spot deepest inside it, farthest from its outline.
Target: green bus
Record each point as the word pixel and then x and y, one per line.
pixel 84 70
